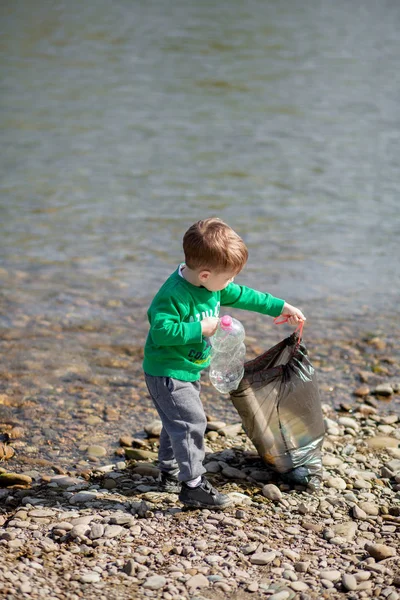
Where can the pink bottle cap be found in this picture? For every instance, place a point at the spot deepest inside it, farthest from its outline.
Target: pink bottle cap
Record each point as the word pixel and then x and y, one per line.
pixel 226 322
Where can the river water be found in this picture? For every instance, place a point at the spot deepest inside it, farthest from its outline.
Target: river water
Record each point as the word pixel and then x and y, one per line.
pixel 125 122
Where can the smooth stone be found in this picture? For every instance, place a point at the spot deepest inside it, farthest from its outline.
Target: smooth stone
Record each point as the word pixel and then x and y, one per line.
pixel 369 508
pixel 155 582
pixel 83 497
pixel 272 492
pixel 335 482
pixel 215 425
pixel 130 567
pixel 395 452
pixel 8 479
pixel 282 595
pixel 348 422
pixel 146 470
pixel 393 466
pixel 212 466
pixel 362 390
pixel 347 530
pixel 91 577
pixel 96 531
pixel 349 582
pixel 197 581
pixel 263 558
pixel 231 430
pixel 79 531
pixel 358 513
pixel 233 473
pixel 299 586
pixel 361 484
pixel 329 460
pixel 93 420
pixel 331 575
pixel 380 551
pixel 240 499
pixel 154 428
pixel 261 476
pixel 383 389
pixel 139 454
pixel 382 442
pixel 64 481
pixel 302 566
pixel 252 587
pixel 42 513
pixel 112 531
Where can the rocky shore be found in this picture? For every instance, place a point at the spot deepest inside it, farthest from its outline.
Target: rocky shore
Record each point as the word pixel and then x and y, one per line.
pixel 107 533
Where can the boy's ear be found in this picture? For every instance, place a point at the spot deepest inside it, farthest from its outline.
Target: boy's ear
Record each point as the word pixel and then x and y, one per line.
pixel 204 276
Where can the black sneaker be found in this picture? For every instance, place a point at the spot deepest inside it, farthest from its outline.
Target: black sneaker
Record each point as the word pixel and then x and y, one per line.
pixel 203 496
pixel 168 483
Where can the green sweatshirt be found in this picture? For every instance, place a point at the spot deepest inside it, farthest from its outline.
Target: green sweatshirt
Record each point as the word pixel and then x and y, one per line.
pixel 175 346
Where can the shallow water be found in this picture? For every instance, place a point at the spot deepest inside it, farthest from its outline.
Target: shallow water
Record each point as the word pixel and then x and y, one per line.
pixel 123 123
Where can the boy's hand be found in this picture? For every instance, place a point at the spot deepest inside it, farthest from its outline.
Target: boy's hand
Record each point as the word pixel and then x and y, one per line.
pixel 293 314
pixel 209 326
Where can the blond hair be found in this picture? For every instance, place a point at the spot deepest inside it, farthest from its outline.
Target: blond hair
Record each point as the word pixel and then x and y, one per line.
pixel 212 244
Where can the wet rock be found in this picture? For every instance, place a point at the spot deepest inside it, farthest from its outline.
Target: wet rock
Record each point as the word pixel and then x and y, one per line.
pixel 361 391
pixel 6 452
pixel 384 389
pixel 139 454
pixel 10 479
pixel 97 451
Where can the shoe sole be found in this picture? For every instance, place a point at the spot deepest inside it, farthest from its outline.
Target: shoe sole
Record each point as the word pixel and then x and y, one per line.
pixel 198 504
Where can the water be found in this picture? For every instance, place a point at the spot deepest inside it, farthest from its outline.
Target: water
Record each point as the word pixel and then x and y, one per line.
pixel 125 122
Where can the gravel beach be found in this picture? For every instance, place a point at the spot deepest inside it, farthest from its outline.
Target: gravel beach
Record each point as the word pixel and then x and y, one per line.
pixel 107 533
pixel 80 515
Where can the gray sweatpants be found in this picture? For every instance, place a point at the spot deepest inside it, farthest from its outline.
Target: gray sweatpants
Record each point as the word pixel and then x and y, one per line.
pixel 184 424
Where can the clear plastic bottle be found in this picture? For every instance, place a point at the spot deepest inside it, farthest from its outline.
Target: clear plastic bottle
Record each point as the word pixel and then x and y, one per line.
pixel 227 355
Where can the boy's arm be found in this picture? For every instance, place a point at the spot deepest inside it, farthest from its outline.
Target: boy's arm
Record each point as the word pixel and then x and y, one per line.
pixel 167 327
pixel 240 296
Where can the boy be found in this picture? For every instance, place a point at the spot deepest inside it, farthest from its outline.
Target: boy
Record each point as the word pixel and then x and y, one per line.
pixel 182 316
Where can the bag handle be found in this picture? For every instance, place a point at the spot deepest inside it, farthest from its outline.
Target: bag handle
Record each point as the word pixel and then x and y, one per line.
pixel 299 329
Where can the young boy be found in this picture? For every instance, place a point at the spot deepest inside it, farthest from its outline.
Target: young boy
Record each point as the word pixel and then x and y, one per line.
pixel 182 316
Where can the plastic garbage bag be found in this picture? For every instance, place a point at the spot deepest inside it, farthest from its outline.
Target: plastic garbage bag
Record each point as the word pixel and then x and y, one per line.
pixel 280 407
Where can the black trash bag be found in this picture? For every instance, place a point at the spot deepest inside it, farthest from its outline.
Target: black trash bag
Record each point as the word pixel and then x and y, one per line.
pixel 280 407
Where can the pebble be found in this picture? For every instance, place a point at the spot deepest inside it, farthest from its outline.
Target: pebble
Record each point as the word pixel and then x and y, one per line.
pixel 262 558
pixel 349 582
pixel 272 492
pixel 92 577
pixel 380 551
pixel 155 582
pixel 197 581
pixel 335 482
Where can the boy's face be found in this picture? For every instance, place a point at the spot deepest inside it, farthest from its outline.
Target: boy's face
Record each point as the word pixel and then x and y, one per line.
pixel 216 281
